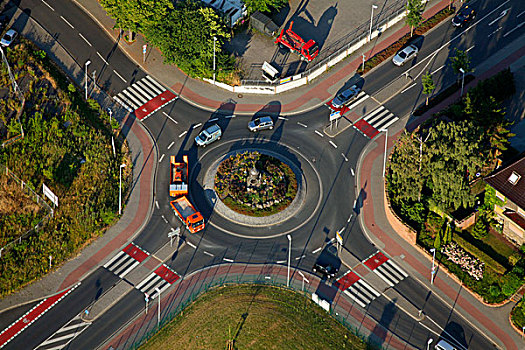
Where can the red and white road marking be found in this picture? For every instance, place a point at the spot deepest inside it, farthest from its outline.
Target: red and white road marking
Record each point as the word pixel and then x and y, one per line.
pixel 357 289
pixel 385 268
pixel 31 316
pixel 158 281
pixel 126 260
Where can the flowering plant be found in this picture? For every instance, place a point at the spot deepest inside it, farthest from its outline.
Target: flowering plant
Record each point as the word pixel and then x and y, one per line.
pixel 459 256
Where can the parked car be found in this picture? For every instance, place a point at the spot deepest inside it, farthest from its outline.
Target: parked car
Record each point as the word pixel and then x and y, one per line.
pixel 345 96
pixel 328 263
pixel 464 15
pixel 261 124
pixel 8 37
pixel 444 345
pixel 208 135
pixel 404 55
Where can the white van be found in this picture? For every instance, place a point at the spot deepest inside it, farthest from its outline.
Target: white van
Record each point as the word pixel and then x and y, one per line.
pixel 208 135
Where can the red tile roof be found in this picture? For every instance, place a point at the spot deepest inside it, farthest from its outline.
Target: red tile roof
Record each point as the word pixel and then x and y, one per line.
pixel 500 182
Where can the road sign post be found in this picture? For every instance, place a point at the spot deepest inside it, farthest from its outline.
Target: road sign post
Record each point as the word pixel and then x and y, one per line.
pixel 173 233
pixel 146 297
pixel 339 239
pixel 144 49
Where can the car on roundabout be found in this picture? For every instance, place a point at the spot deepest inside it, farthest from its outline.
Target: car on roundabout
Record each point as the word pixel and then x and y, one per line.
pixel 261 123
pixel 208 135
pixel 328 263
pixel 405 54
pixel 345 96
pixel 465 15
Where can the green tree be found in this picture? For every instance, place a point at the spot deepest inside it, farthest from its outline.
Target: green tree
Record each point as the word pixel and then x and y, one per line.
pixel 264 5
pixel 461 60
pixel 428 85
pixel 414 14
pixel 479 231
pixel 437 240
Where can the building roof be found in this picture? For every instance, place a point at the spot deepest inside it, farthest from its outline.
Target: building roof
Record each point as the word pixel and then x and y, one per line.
pixel 510 181
pixel 516 218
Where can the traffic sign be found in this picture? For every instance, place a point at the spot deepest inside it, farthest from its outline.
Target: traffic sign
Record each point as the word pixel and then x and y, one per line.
pixel 144 48
pixel 174 232
pixel 335 115
pixel 339 238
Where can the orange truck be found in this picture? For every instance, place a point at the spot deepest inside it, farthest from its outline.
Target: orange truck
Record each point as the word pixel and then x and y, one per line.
pixel 179 189
pixel 178 177
pixel 187 214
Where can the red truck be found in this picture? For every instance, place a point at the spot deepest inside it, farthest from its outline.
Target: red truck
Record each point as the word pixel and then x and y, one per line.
pixel 188 214
pixel 308 50
pixel 178 177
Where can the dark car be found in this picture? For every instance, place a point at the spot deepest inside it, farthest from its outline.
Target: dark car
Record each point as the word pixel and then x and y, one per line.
pixel 345 96
pixel 328 263
pixel 465 15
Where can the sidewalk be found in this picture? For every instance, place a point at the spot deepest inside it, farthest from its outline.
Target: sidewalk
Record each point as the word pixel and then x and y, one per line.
pixel 210 97
pixel 488 320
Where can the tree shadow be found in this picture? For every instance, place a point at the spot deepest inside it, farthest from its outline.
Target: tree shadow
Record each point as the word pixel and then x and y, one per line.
pixel 380 331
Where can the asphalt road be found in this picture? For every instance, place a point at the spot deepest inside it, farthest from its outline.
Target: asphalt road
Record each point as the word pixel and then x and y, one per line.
pixel 329 167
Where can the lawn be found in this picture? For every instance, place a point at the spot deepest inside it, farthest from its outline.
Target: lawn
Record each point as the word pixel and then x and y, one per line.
pixel 254 317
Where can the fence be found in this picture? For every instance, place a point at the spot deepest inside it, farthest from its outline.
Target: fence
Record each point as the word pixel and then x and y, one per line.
pixel 36 198
pixel 142 327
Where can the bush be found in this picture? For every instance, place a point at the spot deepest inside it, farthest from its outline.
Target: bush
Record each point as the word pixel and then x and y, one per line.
pixel 518 314
pixel 489 261
pixel 495 290
pixel 511 285
pixel 514 258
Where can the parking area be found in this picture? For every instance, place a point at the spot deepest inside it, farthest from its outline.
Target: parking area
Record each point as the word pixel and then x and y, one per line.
pixel 330 23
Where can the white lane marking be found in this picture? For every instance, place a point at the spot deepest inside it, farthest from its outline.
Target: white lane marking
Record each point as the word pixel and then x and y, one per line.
pixel 120 76
pixel 52 9
pixel 317 250
pixel 170 118
pixel 102 58
pixel 228 260
pixel 191 245
pixel 267 277
pixel 470 48
pixel 197 125
pixel 184 133
pixel 355 202
pixel 157 204
pixel 213 119
pixel 494 32
pixel 319 133
pixel 501 15
pixel 281 261
pixel 228 117
pixel 303 125
pixel 437 70
pixel 171 144
pixel 161 157
pixel 282 118
pixel 346 159
pixel 350 218
pixel 163 218
pixel 86 40
pixel 352 171
pixel 65 20
pixel 300 257
pixel 513 29
pixel 207 253
pixel 520 14
pixel 411 86
pixel 333 144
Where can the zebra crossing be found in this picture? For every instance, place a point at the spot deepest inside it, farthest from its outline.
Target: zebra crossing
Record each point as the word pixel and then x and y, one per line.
pixel 360 97
pixel 390 272
pixel 61 338
pixel 144 97
pixel 126 260
pixel 380 118
pixel 157 281
pixel 362 293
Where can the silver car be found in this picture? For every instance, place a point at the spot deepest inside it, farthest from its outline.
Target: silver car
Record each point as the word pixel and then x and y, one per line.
pixel 208 135
pixel 345 96
pixel 404 55
pixel 8 37
pixel 260 124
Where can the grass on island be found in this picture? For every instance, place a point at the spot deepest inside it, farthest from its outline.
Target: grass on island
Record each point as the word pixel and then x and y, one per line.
pixel 254 317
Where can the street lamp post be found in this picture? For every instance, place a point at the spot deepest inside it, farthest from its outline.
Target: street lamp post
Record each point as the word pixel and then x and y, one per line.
pixel 158 317
pixel 429 342
pixel 214 41
pixel 371 19
pixel 386 143
pixel 433 271
pixel 86 84
pixel 462 79
pixel 289 257
pixel 146 298
pixel 120 189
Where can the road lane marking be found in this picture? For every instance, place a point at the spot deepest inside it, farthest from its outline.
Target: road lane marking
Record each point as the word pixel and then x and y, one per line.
pixel 102 58
pixel 501 15
pixel 352 171
pixel 184 133
pixel 333 144
pixel 191 245
pixel 350 218
pixel 303 125
pixel 207 253
pixel 213 120
pixel 494 32
pixel 408 88
pixel 282 118
pixel 319 133
pixel 230 116
pixel 197 125
pixel 513 29
pixel 170 118
pixel 120 76
pixel 65 20
pixel 346 159
pixel 228 260
pixel 281 261
pixel 163 218
pixel 52 9
pixel 520 14
pixel 157 204
pixel 437 70
pixel 171 144
pixel 317 250
pixel 300 257
pixel 470 48
pixel 161 157
pixel 86 40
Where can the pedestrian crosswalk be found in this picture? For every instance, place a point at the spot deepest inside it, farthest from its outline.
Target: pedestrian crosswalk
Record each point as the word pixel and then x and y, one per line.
pixel 390 272
pixel 151 284
pixel 144 97
pixel 362 293
pixel 61 338
pixel 379 119
pixel 126 260
pixel 361 97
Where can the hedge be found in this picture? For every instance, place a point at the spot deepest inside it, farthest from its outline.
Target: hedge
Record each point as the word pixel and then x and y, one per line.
pixel 476 252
